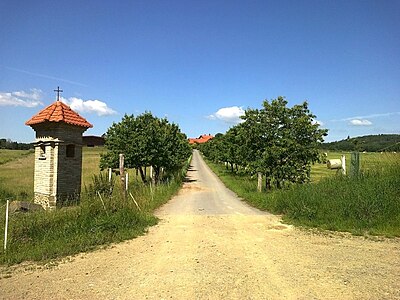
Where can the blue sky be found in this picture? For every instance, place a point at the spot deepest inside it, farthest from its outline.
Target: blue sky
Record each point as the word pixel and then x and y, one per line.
pixel 201 63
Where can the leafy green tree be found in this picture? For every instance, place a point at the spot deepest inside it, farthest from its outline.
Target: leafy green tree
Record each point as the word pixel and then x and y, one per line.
pixel 214 149
pixel 231 147
pixel 276 140
pixel 281 142
pixel 146 141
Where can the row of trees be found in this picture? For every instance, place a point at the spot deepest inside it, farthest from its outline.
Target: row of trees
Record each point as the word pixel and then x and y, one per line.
pixel 276 141
pixel 146 141
pixel 9 144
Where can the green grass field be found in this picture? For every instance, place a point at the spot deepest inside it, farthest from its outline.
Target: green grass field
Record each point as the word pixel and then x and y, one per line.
pixel 16 176
pixel 368 161
pixel 10 155
pixel 16 173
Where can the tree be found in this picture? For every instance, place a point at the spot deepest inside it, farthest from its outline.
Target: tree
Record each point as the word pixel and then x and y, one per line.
pixel 214 148
pixel 146 141
pixel 277 141
pixel 9 144
pixel 281 142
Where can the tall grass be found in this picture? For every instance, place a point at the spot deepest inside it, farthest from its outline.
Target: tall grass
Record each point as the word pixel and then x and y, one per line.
pixel 45 235
pixel 367 204
pixel 16 177
pixel 103 216
pixel 100 219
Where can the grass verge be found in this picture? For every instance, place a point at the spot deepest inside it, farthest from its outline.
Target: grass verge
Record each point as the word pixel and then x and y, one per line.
pixel 104 216
pixel 368 204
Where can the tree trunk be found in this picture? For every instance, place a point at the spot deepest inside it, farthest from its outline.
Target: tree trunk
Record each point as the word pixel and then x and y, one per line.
pixel 142 174
pixel 278 184
pixel 156 175
pixel 267 183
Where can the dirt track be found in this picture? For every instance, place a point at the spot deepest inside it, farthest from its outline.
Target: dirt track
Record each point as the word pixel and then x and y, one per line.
pixel 209 245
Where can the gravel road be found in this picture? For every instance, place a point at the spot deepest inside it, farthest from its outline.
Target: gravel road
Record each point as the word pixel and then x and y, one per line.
pixel 211 245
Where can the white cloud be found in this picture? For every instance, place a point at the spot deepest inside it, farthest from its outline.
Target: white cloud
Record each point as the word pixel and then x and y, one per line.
pixel 21 98
pixel 89 106
pixel 228 114
pixel 360 122
pixel 377 115
pixel 320 123
pixel 372 116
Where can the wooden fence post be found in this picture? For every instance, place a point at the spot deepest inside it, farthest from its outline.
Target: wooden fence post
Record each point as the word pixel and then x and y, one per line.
pixel 344 164
pixel 151 174
pixel 152 177
pixel 122 173
pixel 355 164
pixel 259 181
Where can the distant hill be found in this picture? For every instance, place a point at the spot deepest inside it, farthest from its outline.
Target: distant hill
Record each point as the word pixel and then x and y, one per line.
pixel 369 143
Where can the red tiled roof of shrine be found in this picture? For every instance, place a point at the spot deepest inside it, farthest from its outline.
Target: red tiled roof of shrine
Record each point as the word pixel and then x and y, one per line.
pixel 59 112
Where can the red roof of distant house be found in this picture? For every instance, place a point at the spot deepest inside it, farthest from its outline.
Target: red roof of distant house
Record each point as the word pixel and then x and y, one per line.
pixel 201 139
pixel 59 112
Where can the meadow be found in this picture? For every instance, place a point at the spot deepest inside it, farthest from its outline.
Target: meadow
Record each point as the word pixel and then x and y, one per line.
pixel 104 215
pixel 10 155
pixel 16 173
pixel 363 205
pixel 368 161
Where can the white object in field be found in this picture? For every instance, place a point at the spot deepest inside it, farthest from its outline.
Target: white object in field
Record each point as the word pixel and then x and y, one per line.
pixel 6 227
pixel 334 164
pixel 126 181
pixel 109 174
pixel 344 165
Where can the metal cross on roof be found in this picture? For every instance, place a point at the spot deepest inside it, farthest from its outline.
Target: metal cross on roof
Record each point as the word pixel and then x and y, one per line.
pixel 58 93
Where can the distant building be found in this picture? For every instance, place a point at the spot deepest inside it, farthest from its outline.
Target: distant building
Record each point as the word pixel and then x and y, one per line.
pixel 92 140
pixel 201 139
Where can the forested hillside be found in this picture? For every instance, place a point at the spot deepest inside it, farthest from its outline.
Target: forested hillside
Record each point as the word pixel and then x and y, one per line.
pixel 369 143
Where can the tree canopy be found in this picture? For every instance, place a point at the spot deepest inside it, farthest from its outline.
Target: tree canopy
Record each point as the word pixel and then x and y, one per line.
pixel 9 144
pixel 276 140
pixel 146 141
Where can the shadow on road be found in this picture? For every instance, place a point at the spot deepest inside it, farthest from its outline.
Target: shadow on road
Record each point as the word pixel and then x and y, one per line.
pixel 191 169
pixel 187 178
